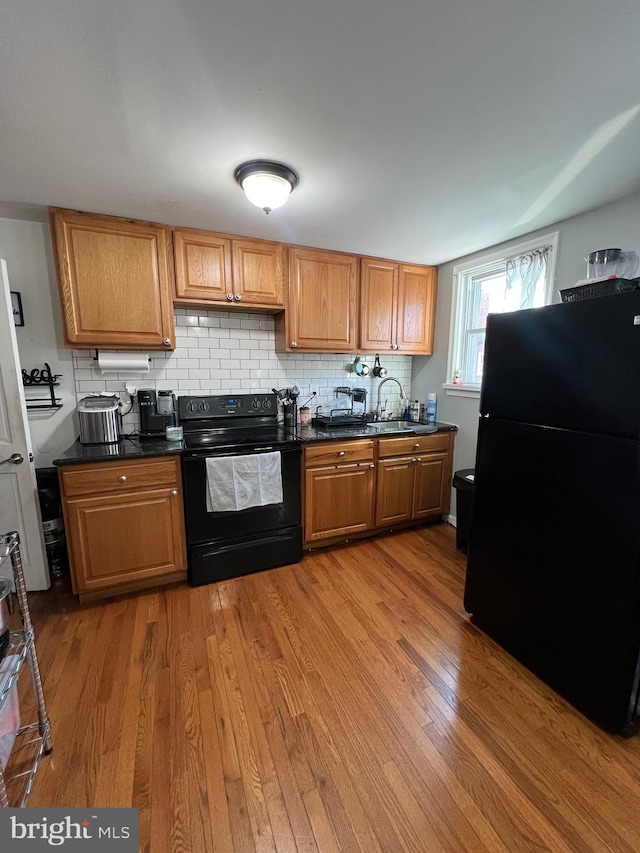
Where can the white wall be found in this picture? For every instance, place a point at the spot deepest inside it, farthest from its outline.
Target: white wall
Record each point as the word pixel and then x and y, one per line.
pixel 616 224
pixel 26 247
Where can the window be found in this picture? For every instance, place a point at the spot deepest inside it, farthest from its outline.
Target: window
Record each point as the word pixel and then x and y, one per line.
pixel 520 278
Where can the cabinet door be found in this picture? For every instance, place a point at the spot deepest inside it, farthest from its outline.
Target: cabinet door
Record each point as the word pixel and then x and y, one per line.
pixel 125 538
pixel 258 273
pixel 115 281
pixel 430 482
pixel 338 500
pixel 378 302
pixel 322 306
pixel 416 309
pixel 394 490
pixel 203 267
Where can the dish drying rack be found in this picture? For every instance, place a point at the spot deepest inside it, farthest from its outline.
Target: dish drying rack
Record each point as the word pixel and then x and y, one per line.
pixel 343 417
pixel 32 740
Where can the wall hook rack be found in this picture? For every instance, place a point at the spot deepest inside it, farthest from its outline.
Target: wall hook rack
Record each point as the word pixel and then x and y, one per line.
pixel 42 378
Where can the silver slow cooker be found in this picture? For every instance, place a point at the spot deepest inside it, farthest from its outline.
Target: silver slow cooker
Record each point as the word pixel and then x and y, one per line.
pixel 99 420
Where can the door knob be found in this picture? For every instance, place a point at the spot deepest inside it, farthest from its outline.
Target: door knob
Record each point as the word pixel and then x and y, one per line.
pixel 15 459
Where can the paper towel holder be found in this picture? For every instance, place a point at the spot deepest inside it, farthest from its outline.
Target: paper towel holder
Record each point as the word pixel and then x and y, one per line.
pixel 137 368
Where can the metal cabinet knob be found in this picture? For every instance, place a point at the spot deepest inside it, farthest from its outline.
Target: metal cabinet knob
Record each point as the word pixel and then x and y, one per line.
pixel 417 445
pixel 167 342
pixel 238 297
pixel 174 492
pixel 419 459
pixel 341 453
pixel 122 479
pixel 372 465
pixel 229 297
pixel 294 344
pixel 394 346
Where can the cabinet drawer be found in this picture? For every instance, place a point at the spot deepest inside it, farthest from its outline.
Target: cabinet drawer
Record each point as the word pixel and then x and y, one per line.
pixel 339 451
pixel 108 477
pixel 412 444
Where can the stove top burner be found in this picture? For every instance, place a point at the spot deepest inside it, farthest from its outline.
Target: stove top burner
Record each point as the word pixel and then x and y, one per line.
pixel 227 437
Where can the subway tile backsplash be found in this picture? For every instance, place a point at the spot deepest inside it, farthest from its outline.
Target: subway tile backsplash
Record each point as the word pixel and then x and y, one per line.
pixel 218 352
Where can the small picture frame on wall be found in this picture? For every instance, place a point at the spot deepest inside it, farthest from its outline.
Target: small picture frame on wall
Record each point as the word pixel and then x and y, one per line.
pixel 16 305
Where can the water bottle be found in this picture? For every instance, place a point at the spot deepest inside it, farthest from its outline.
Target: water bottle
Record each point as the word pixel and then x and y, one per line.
pixel 431 408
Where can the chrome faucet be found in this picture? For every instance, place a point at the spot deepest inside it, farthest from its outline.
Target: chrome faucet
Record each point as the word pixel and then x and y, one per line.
pixel 403 395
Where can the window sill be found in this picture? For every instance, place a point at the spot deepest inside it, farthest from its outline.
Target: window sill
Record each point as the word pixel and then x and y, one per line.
pixel 461 390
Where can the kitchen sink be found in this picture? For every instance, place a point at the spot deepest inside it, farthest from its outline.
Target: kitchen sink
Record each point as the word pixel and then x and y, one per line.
pixel 392 426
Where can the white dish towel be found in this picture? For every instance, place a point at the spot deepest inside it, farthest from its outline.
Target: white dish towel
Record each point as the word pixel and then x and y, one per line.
pixel 240 482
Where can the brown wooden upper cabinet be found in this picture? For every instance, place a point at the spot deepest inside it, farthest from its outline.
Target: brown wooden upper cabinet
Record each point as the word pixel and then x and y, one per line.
pixel 322 302
pixel 240 272
pixel 115 278
pixel 397 307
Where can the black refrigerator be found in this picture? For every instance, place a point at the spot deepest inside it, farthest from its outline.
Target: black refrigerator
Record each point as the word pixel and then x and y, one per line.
pixel 553 572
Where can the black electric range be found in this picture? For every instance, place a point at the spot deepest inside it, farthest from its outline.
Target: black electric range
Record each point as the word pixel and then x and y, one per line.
pixel 229 543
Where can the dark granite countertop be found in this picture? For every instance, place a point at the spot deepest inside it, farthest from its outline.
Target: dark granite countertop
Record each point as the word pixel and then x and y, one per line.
pixel 127 448
pixel 307 434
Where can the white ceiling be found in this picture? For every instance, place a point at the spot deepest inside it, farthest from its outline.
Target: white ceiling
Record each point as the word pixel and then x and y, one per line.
pixel 421 129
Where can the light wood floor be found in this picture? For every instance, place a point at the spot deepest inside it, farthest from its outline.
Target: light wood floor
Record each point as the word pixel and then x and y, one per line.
pixel 342 704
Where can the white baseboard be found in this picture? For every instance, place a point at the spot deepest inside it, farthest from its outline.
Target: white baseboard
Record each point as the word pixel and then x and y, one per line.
pixel 453 521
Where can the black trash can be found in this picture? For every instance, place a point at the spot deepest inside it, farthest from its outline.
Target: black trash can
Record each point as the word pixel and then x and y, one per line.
pixel 463 484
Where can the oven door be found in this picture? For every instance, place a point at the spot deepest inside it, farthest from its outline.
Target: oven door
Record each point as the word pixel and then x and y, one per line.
pixel 203 526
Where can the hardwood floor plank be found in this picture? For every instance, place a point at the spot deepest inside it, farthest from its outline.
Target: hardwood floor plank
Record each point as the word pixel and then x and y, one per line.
pixel 345 703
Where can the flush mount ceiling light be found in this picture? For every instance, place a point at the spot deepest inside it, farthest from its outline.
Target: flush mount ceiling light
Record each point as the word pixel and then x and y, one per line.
pixel 266 184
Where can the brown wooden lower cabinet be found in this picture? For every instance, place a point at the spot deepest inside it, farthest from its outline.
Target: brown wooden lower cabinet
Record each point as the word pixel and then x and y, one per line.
pixel 374 485
pixel 411 488
pixel 338 493
pixel 127 532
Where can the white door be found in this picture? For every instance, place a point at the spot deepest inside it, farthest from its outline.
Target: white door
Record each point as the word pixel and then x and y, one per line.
pixel 19 507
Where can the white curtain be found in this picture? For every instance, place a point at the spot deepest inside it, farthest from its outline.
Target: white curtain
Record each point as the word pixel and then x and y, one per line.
pixel 525 271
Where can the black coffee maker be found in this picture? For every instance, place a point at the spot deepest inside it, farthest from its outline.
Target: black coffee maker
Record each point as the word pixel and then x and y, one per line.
pixel 157 412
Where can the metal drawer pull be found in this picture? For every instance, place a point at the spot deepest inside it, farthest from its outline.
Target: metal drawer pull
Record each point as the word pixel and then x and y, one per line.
pixel 341 453
pixel 372 465
pixel 15 459
pixel 238 297
pixel 229 297
pixel 122 479
pixel 417 445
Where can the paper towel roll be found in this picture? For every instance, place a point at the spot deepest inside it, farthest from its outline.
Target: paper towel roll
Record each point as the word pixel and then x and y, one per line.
pixel 123 362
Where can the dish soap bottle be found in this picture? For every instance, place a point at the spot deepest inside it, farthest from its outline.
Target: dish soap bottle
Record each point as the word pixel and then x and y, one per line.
pixel 414 411
pixel 431 408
